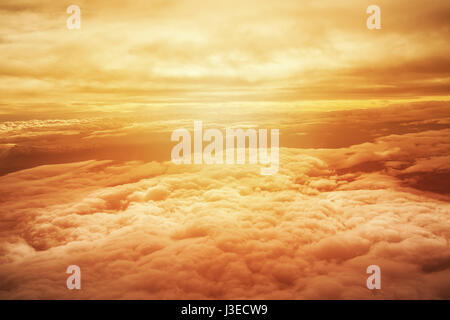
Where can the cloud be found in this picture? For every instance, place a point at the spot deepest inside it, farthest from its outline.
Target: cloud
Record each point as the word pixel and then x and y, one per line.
pixel 157 230
pixel 168 52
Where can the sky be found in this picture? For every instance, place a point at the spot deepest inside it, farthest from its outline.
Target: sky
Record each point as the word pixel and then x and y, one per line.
pixel 86 117
pixel 128 55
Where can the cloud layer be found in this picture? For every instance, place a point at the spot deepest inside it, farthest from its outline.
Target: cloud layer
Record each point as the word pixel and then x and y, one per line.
pixel 191 51
pixel 86 117
pixel 156 230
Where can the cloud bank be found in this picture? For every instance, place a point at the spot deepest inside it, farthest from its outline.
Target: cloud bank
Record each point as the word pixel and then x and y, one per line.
pixel 153 230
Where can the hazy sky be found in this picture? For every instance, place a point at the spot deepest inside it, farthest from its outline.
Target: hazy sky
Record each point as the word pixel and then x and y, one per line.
pixel 141 53
pixel 86 178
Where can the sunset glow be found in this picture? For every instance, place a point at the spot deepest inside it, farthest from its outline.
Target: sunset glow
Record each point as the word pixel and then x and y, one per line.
pixel 86 177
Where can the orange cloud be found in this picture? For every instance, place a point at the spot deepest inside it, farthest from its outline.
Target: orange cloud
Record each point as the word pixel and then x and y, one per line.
pixel 85 127
pixel 184 52
pixel 156 230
